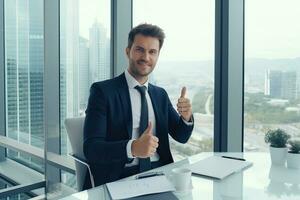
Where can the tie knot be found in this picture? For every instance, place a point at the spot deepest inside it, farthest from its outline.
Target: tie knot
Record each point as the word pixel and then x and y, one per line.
pixel 141 89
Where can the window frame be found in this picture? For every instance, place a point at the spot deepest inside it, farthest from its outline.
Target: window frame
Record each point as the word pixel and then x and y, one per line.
pixel 2 79
pixel 229 76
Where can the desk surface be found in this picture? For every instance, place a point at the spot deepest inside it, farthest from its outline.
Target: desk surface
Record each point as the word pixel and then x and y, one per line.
pixel 261 181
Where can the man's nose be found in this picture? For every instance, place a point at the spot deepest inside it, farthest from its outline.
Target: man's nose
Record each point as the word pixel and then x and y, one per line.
pixel 146 56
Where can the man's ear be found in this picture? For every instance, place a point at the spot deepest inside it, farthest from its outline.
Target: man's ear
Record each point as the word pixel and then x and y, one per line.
pixel 127 52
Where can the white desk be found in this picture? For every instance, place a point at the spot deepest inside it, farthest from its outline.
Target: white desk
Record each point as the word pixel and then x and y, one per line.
pixel 261 181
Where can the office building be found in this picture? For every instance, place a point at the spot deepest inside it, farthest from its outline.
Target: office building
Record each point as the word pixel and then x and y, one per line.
pixel 24 75
pixel 98 53
pixel 281 84
pixel 289 85
pixel 84 67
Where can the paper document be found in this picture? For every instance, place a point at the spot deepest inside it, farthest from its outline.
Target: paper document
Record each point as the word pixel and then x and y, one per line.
pixel 159 196
pixel 132 188
pixel 218 167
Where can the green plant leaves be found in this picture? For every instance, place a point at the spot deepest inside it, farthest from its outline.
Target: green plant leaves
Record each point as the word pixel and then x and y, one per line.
pixel 277 138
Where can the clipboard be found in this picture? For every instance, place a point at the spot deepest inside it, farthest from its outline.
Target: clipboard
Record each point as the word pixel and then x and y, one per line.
pixel 218 167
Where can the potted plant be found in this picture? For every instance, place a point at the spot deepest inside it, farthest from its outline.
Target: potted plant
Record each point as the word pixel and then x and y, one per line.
pixel 293 156
pixel 278 139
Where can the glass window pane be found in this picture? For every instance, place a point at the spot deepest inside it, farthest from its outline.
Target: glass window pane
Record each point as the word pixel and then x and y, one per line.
pixel 4 184
pixel 186 59
pixel 272 69
pixel 24 65
pixel 84 58
pixel 84 54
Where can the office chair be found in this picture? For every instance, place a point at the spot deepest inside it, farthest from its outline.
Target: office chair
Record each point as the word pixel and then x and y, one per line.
pixel 74 127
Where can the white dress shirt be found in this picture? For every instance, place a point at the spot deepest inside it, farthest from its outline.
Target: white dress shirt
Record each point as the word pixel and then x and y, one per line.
pixel 135 99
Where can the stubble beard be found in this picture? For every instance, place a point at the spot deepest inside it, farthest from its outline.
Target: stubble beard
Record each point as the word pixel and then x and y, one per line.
pixel 134 68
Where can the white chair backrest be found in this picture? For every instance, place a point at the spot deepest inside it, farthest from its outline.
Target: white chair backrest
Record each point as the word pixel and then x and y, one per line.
pixel 74 127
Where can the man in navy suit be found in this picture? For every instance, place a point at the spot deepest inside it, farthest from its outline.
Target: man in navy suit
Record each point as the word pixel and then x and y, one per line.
pixel 128 119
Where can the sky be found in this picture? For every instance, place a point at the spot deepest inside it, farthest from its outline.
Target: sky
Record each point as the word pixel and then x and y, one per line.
pixel 91 10
pixel 188 25
pixel 272 29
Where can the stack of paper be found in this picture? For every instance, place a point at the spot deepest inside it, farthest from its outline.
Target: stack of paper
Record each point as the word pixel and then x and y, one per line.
pixel 132 188
pixel 218 167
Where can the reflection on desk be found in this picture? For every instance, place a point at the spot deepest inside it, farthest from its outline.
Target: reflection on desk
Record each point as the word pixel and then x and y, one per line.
pixel 229 188
pixel 284 182
pixel 261 181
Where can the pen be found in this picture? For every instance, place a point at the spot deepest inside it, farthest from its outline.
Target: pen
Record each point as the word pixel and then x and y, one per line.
pixel 149 174
pixel 234 158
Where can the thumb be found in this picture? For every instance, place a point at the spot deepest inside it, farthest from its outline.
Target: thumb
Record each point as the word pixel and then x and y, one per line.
pixel 149 128
pixel 183 92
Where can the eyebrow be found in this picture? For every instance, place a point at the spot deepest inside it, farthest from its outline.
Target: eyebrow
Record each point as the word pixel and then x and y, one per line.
pixel 140 47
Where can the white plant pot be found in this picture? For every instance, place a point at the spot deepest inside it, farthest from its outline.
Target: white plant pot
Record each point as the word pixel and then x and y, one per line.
pixel 293 160
pixel 278 155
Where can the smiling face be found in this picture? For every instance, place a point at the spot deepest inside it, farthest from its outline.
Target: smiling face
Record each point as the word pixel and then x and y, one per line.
pixel 142 56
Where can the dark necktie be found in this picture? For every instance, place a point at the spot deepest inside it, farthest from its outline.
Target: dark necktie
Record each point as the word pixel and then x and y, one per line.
pixel 144 163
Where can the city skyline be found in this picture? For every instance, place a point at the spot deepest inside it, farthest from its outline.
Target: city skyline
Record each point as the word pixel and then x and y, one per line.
pixel 24 60
pixel 85 60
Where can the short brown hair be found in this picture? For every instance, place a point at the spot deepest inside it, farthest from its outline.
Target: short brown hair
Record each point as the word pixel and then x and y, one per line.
pixel 146 30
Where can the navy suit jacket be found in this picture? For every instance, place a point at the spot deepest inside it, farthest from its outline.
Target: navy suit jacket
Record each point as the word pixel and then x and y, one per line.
pixel 108 127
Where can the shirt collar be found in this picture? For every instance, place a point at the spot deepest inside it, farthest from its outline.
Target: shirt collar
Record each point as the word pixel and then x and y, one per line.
pixel 131 82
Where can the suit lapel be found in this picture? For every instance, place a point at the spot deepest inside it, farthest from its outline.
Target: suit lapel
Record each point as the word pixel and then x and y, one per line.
pixel 126 104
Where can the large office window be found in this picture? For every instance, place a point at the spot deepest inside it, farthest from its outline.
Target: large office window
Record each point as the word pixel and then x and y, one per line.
pixel 24 60
pixel 84 56
pixel 186 59
pixel 272 70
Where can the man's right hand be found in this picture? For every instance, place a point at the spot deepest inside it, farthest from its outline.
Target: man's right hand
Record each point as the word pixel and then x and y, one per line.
pixel 146 145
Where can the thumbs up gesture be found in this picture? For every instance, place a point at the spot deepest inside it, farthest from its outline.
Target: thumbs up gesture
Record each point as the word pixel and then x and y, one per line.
pixel 146 145
pixel 184 106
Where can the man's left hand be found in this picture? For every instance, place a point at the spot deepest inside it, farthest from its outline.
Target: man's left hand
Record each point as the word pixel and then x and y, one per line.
pixel 184 106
